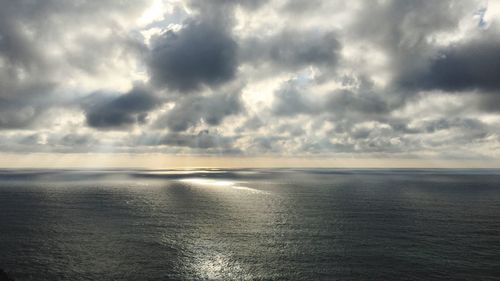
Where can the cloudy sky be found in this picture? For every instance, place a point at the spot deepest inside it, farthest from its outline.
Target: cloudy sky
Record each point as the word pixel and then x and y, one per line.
pixel 251 78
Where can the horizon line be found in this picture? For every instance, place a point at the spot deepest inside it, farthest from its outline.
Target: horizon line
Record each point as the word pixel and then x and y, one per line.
pixel 174 162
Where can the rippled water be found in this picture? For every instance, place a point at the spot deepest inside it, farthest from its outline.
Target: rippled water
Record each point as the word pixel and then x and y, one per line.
pixel 250 225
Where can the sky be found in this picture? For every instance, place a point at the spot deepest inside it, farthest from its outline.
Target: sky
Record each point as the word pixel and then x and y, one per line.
pixel 162 83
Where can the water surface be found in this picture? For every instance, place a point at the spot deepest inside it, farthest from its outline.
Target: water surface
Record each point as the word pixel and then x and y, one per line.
pixel 278 224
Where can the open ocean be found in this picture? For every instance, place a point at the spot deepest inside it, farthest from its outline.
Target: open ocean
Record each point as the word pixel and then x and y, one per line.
pixel 252 224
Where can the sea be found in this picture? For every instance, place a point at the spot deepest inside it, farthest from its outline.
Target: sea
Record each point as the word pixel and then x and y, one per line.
pixel 250 224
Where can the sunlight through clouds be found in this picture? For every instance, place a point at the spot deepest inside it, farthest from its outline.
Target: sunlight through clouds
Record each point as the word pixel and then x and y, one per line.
pixel 250 78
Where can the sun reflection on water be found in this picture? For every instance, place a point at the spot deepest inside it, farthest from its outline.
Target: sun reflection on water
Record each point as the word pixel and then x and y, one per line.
pixel 216 267
pixel 221 183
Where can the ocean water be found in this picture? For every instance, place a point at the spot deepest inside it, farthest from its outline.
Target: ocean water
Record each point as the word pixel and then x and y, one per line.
pixel 277 224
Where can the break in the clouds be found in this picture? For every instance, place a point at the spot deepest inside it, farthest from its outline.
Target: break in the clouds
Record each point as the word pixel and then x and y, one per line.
pixel 302 78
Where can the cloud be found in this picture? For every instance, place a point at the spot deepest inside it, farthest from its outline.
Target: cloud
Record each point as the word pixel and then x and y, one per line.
pixel 203 140
pixel 463 67
pixel 193 110
pixel 38 53
pixel 299 6
pixel 209 6
pixel 407 34
pixel 201 53
pixel 108 111
pixel 332 78
pixel 290 100
pixel 293 99
pixel 17 114
pixel 293 49
pixel 48 142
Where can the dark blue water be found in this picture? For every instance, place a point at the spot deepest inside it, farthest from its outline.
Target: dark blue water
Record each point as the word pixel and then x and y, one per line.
pixel 250 225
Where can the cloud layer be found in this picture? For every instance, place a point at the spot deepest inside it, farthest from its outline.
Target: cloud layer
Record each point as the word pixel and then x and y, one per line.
pixel 297 78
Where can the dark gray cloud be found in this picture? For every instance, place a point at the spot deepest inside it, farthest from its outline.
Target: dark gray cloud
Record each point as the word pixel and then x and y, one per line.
pixel 294 99
pixel 462 124
pixel 300 6
pixel 293 49
pixel 105 111
pixel 267 144
pixel 22 75
pixel 14 115
pixel 406 32
pixel 78 140
pixel 199 54
pixel 87 55
pixel 202 53
pixel 26 26
pixel 203 140
pixel 291 100
pixel 323 145
pixel 34 55
pixel 48 142
pixel 210 5
pixel 23 103
pixel 192 110
pixel 251 124
pixel 291 130
pixel 344 102
pixel 404 24
pixel 468 66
